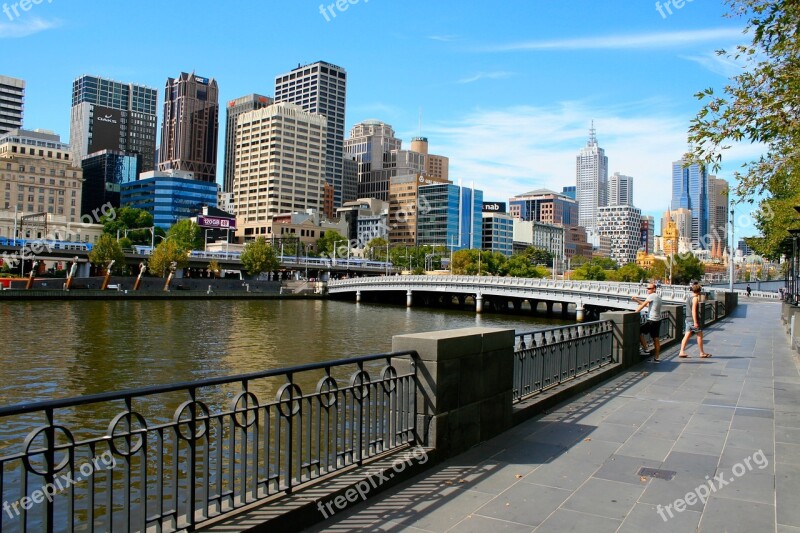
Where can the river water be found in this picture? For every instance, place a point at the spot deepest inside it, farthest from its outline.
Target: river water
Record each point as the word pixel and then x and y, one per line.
pixel 65 349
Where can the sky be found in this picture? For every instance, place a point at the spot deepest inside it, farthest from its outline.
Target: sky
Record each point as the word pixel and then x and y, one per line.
pixel 507 90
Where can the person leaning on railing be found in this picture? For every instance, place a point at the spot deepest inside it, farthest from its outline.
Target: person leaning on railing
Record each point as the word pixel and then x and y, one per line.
pixel 653 325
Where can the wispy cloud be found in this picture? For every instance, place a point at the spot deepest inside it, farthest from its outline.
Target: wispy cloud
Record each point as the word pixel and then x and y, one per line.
pixel 718 64
pixel 443 38
pixel 497 75
pixel 23 28
pixel 618 42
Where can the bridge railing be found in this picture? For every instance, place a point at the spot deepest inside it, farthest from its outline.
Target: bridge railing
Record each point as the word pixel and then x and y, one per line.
pixel 546 358
pixel 171 457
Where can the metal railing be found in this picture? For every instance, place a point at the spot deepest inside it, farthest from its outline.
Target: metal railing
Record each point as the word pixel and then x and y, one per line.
pixel 546 358
pixel 172 457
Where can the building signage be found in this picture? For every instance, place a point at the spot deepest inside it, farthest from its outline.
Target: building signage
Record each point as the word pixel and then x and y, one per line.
pixel 203 81
pixel 216 222
pixel 105 129
pixel 494 207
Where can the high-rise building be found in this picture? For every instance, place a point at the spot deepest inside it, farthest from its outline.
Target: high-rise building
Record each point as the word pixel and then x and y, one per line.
pixel 648 234
pixel 110 115
pixel 452 216
pixel 690 191
pixel 369 144
pixel 718 191
pixel 568 191
pixel 548 237
pixel 406 206
pixel 591 188
pixel 498 232
pixel 321 88
pixel 280 165
pixel 12 100
pixel 620 189
pixel 169 195
pixel 104 172
pixel 622 224
pixel 436 166
pixel 545 206
pixel 236 107
pixel 39 175
pixel 191 123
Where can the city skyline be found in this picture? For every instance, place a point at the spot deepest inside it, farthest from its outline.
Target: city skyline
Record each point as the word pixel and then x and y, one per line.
pixel 486 85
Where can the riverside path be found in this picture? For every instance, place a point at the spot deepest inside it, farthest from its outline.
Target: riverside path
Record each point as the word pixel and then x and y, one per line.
pixel 691 444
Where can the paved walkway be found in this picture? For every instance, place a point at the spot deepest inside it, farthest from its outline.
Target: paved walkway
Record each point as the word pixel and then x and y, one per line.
pixel 727 429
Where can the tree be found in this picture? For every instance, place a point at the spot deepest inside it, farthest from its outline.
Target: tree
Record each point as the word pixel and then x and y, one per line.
pixel 186 235
pixel 589 271
pixel 325 243
pixel 258 256
pixel 631 273
pixel 213 267
pixel 658 270
pixel 685 268
pixel 538 256
pixel 108 249
pixel 164 255
pixel 136 221
pixel 519 266
pixel 376 249
pixel 760 105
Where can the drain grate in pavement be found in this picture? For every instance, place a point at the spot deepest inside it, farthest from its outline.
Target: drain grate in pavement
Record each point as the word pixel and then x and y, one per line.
pixel 657 473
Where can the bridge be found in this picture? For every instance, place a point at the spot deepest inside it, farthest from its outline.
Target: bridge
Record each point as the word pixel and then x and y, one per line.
pixel 500 293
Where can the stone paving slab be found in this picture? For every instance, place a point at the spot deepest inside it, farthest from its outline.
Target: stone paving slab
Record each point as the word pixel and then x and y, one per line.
pixel 726 428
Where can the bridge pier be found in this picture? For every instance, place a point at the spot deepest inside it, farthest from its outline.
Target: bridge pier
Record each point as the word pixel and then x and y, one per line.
pixel 409 297
pixel 478 303
pixel 549 307
pixel 564 308
pixel 579 316
pixel 358 296
pixel 461 300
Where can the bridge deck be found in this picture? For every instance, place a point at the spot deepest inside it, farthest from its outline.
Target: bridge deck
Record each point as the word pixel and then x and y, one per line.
pixel 578 467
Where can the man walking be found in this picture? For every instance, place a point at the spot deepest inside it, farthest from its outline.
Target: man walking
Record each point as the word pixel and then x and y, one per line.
pixel 653 324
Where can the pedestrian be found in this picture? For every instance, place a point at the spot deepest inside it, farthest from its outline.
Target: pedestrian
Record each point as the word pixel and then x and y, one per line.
pixel 748 290
pixel 652 326
pixel 693 322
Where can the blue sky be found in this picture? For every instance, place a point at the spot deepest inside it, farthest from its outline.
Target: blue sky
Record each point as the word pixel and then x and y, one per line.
pixel 507 90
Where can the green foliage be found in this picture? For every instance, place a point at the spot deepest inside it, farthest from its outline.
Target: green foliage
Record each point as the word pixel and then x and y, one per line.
pixel 213 267
pixel 538 256
pixel 162 257
pixel 685 268
pixel 759 106
pixel 108 249
pixel 589 271
pixel 376 249
pixel 129 218
pixel 258 256
pixel 631 273
pixel 658 271
pixel 519 266
pixel 325 244
pixel 186 235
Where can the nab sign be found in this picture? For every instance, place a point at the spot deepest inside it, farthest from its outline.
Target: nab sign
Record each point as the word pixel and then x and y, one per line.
pixel 494 207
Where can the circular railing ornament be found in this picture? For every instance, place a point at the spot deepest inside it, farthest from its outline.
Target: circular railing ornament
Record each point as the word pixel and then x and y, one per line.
pixel 289 396
pixel 359 382
pixel 59 465
pixel 124 426
pixel 245 404
pixel 327 389
pixel 389 378
pixel 183 417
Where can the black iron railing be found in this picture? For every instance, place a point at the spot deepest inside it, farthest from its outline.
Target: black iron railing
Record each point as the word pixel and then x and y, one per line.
pixel 171 457
pixel 544 359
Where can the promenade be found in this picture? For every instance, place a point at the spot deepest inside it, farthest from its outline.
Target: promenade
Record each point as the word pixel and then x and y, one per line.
pixel 692 444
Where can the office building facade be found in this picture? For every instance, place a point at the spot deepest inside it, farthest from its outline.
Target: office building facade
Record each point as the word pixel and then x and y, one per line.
pixel 498 233
pixel 190 127
pixel 449 215
pixel 169 196
pixel 235 108
pixel 547 237
pixel 110 115
pixel 622 225
pixel 104 173
pixel 321 88
pixel 280 165
pixel 718 196
pixel 690 191
pixel 591 188
pixel 545 206
pixel 620 189
pixel 12 103
pixel 38 174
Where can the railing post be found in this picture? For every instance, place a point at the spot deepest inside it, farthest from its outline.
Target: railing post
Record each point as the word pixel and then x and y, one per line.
pixel 464 389
pixel 626 336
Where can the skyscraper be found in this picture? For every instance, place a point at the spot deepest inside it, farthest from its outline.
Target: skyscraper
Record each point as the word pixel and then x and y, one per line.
pixel 321 88
pixel 12 98
pixel 236 107
pixel 690 191
pixel 191 123
pixel 718 191
pixel 620 190
pixel 109 115
pixel 591 188
pixel 369 144
pixel 280 154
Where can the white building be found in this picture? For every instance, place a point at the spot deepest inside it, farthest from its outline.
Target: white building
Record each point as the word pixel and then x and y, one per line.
pixel 542 236
pixel 620 190
pixel 622 224
pixel 279 167
pixel 591 190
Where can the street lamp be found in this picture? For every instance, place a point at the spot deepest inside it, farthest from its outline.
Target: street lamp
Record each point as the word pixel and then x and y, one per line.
pixel 731 254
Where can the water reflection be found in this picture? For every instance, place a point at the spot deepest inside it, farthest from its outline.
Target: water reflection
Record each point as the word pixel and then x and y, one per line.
pixel 63 349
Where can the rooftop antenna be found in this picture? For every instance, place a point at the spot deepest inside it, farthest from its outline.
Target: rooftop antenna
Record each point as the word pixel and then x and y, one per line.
pixel 592 135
